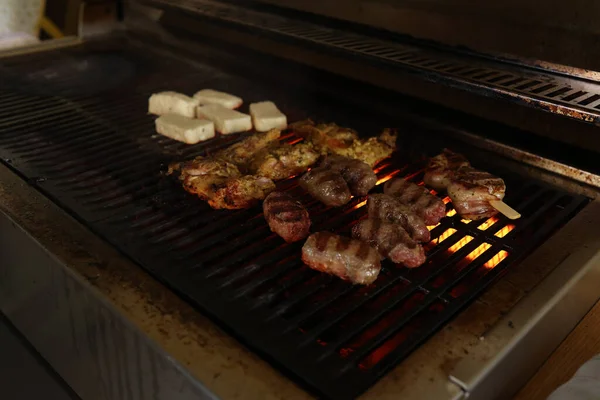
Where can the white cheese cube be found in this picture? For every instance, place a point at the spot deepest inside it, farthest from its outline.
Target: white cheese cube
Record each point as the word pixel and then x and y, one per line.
pixel 266 116
pixel 172 103
pixel 209 96
pixel 184 129
pixel 226 121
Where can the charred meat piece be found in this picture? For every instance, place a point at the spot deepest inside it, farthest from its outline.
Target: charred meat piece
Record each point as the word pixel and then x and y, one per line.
pixel 441 169
pixel 286 217
pixel 327 186
pixel 221 183
pixel 391 240
pixel 350 259
pixel 421 201
pixel 357 174
pixel 472 190
pixel 242 152
pixel 280 161
pixel 390 209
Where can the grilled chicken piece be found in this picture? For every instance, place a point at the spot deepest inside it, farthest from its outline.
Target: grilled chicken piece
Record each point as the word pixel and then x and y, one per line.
pixel 280 161
pixel 357 174
pixel 390 209
pixel 472 190
pixel 351 260
pixel 418 198
pixel 286 217
pixel 391 240
pixel 242 152
pixel 441 169
pixel 372 150
pixel 327 186
pixel 325 137
pixel 221 183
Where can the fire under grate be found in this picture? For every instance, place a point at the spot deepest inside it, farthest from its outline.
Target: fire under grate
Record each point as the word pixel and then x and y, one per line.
pixel 91 149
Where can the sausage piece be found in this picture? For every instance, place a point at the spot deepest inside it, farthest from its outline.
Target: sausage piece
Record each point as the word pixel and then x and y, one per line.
pixel 327 186
pixel 286 217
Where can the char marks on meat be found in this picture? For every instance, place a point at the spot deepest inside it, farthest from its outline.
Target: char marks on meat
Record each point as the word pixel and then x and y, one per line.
pixel 390 209
pixel 286 217
pixel 327 186
pixel 358 175
pixel 472 190
pixel 391 240
pixel 441 169
pixel 429 207
pixel 349 259
pixel 282 160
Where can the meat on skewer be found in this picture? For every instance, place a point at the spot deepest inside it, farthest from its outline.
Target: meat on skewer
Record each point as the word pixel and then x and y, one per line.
pixel 286 217
pixel 327 186
pixel 472 190
pixel 391 240
pixel 390 209
pixel 441 168
pixel 358 175
pixel 349 259
pixel 427 206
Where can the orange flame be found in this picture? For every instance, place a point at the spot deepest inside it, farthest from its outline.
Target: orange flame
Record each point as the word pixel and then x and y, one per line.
pixel 451 213
pixel 431 227
pixel 465 221
pixel 446 200
pixel 497 259
pixel 295 141
pixel 359 205
pixel 380 167
pixel 505 231
pixel 487 224
pixel 482 248
pixel 388 177
pixel 460 244
pixel 445 235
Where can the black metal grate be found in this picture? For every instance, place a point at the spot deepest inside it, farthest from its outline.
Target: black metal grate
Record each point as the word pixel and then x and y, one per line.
pixel 91 148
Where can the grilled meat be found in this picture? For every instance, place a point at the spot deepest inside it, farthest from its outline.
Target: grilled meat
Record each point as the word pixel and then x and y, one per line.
pixel 327 186
pixel 221 183
pixel 391 240
pixel 358 175
pixel 472 190
pixel 242 152
pixel 280 161
pixel 333 139
pixel 441 169
pixel 286 217
pixel 390 209
pixel 350 259
pixel 418 198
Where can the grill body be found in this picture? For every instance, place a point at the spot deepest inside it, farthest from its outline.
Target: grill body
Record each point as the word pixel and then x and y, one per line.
pixel 76 130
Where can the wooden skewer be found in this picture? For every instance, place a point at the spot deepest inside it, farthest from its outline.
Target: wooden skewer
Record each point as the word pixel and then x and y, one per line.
pixel 505 209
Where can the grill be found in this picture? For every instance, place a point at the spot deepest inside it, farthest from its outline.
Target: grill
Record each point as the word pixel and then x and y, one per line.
pixel 85 141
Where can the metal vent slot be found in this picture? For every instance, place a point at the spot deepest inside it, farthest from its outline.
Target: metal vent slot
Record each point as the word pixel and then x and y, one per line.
pixel 558 92
pixel 575 95
pixel 527 85
pixel 590 99
pixel 543 88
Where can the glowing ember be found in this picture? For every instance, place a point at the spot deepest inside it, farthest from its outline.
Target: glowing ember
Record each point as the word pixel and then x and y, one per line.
pixel 487 224
pixel 460 244
pixel 505 231
pixel 482 248
pixel 359 205
pixel 465 221
pixel 388 177
pixel 295 141
pixel 380 167
pixel 446 200
pixel 451 213
pixel 497 259
pixel 431 227
pixel 445 235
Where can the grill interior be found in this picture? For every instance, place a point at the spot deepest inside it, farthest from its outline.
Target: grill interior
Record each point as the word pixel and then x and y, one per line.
pixel 77 129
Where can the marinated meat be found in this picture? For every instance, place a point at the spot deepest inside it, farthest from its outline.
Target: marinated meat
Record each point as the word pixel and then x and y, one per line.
pixel 372 150
pixel 472 190
pixel 327 186
pixel 286 217
pixel 357 174
pixel 421 201
pixel 390 209
pixel 441 169
pixel 391 240
pixel 280 161
pixel 350 259
pixel 242 152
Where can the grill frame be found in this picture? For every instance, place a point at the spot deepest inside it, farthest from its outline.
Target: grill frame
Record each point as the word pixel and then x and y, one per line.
pixel 48 187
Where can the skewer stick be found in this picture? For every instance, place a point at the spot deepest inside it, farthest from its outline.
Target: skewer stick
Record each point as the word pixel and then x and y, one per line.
pixel 505 209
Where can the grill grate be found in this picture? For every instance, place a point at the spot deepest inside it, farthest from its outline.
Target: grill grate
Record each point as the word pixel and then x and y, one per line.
pixel 91 149
pixel 561 94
